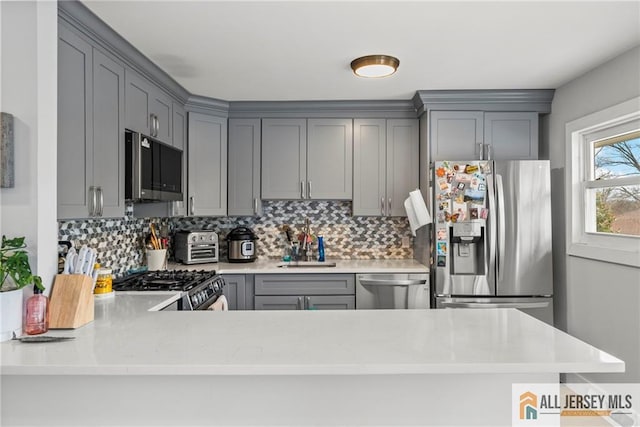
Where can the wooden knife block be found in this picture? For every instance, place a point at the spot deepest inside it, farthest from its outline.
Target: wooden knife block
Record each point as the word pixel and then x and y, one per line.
pixel 71 301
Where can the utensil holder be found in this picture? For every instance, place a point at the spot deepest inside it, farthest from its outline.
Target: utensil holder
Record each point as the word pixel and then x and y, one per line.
pixel 156 259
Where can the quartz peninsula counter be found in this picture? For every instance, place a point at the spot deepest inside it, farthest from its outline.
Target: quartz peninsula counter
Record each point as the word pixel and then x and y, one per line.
pixel 281 367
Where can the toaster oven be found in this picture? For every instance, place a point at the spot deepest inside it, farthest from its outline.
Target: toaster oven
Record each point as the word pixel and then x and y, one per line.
pixel 196 246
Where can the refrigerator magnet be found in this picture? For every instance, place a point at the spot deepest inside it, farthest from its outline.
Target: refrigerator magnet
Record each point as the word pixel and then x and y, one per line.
pixel 476 197
pixel 461 210
pixel 473 213
pixel 441 172
pixel 484 213
pixel 441 234
pixel 443 205
pixel 471 169
pixel 441 248
pixel 441 261
pixel 442 216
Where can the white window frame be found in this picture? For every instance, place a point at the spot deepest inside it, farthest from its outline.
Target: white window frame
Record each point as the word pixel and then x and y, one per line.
pixel 580 134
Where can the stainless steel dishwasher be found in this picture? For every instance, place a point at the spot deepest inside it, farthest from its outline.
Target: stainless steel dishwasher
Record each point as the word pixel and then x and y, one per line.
pixel 392 291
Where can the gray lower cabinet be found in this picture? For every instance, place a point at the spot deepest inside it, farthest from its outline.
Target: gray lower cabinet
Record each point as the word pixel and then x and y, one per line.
pixel 244 168
pixel 465 135
pixel 304 291
pixel 307 159
pixel 207 165
pixel 385 165
pixel 239 291
pixel 90 130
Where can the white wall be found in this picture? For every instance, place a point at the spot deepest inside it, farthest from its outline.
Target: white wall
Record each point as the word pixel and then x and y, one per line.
pixel 28 90
pixel 595 301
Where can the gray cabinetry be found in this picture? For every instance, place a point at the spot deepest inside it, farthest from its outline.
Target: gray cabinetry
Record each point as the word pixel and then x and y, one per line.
pixel 284 158
pixel 148 108
pixel 304 291
pixel 207 165
pixel 244 167
pixel 464 135
pixel 307 159
pixel 329 159
pixel 90 130
pixel 385 165
pixel 108 135
pixel 239 291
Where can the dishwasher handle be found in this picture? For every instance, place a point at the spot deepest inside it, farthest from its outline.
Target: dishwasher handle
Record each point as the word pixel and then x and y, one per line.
pixel 392 282
pixel 525 305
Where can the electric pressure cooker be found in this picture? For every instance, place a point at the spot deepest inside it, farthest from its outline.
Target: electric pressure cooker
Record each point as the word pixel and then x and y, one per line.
pixel 242 245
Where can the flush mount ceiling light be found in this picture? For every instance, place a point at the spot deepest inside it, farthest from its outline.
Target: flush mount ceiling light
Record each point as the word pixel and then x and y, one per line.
pixel 375 65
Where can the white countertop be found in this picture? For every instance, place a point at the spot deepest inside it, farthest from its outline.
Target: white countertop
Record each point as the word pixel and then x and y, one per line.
pixel 125 339
pixel 342 266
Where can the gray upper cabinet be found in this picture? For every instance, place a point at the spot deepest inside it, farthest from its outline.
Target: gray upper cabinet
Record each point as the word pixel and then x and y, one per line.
pixel 284 158
pixel 108 134
pixel 90 130
pixel 148 108
pixel 511 136
pixel 456 135
pixel 207 165
pixel 329 159
pixel 464 135
pixel 386 165
pixel 244 167
pixel 75 150
pixel 307 159
pixel 179 127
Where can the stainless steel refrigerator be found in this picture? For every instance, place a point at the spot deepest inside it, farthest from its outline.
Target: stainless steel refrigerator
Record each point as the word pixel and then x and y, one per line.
pixel 492 235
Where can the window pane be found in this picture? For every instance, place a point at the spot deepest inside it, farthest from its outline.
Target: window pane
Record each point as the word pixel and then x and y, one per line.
pixel 617 209
pixel 617 157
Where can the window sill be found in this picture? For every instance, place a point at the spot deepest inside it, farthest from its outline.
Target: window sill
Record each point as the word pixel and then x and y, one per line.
pixel 605 254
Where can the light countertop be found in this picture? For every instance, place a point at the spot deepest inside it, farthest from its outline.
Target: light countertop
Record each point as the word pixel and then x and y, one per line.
pixel 342 266
pixel 126 339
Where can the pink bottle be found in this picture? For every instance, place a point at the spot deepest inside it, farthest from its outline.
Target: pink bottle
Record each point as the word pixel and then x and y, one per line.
pixel 36 320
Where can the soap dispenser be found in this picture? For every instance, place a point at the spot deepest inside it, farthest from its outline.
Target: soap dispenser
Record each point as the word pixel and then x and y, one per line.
pixel 36 320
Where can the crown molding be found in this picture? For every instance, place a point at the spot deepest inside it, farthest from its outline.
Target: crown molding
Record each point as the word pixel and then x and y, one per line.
pixel 538 100
pixel 319 109
pixel 206 105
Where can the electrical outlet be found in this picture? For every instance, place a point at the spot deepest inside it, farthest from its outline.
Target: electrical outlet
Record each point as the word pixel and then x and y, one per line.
pixel 406 242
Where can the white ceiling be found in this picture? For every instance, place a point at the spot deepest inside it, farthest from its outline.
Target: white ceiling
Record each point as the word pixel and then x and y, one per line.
pixel 301 50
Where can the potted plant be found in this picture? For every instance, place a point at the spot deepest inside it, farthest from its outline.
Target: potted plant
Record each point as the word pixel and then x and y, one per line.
pixel 15 274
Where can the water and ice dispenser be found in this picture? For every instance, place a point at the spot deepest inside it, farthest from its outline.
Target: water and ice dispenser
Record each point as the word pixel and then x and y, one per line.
pixel 467 248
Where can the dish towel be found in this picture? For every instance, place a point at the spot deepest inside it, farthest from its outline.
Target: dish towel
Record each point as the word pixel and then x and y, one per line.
pixel 221 304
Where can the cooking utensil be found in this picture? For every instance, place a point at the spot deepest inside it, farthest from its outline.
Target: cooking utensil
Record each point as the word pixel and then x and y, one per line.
pixel 80 262
pixel 41 338
pixel 70 261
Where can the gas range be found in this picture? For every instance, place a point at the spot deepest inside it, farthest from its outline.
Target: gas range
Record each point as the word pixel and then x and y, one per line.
pixel 199 289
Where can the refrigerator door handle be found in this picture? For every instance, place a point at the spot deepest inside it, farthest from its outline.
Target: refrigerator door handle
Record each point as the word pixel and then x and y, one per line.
pixel 492 223
pixel 501 227
pixel 525 305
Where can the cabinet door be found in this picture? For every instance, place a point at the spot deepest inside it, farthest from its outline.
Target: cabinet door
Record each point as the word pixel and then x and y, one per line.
pixel 369 167
pixel 137 101
pixel 284 158
pixel 330 302
pixel 309 284
pixel 108 134
pixel 511 136
pixel 402 163
pixel 456 135
pixel 75 151
pixel 160 107
pixel 207 165
pixel 178 126
pixel 279 302
pixel 329 159
pixel 235 291
pixel 244 167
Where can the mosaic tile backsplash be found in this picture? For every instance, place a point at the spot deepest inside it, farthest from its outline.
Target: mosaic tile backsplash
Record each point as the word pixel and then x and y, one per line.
pixel 120 241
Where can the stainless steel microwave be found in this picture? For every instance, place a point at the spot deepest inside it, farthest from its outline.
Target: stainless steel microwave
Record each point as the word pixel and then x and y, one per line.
pixel 153 170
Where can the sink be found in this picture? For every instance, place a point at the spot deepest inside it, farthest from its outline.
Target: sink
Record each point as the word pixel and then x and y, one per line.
pixel 299 264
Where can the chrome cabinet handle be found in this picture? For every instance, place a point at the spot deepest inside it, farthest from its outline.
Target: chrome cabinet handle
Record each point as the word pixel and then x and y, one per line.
pixel 255 206
pixel 382 206
pixel 389 207
pixel 307 301
pixel 480 150
pixel 308 189
pixel 302 189
pixel 157 125
pixel 191 205
pixel 101 201
pixel 152 124
pixel 300 306
pixel 487 150
pixel 94 201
